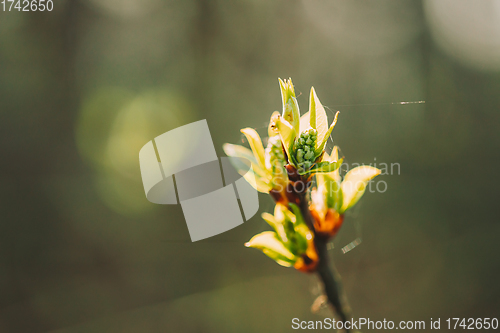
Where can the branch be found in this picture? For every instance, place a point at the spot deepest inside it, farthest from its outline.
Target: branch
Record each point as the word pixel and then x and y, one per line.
pixel 327 273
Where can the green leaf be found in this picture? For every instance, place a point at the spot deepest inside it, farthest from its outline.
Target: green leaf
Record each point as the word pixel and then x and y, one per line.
pixel 301 230
pixel 270 131
pixel 243 155
pixel 255 176
pixel 332 181
pixel 325 166
pixel 312 108
pixel 291 111
pixel 258 183
pixel 277 226
pixel 321 121
pixel 333 191
pixel 354 185
pixel 322 141
pixel 304 122
pixel 287 134
pixel 282 224
pixel 287 91
pixel 256 145
pixel 269 243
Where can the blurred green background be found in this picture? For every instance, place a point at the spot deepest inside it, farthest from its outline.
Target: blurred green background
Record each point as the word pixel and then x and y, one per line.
pixel 84 87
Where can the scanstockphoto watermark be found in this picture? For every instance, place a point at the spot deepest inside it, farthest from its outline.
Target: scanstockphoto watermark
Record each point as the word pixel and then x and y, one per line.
pixel 368 324
pixel 357 324
pixel 353 183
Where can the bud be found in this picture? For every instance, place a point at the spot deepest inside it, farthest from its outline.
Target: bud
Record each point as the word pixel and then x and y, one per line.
pixel 290 105
pixel 291 242
pixel 304 149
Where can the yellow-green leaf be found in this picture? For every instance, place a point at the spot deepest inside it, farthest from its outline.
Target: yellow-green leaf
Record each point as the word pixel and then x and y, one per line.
pixel 304 122
pixel 325 166
pixel 312 109
pixel 321 121
pixel 276 225
pixel 320 195
pixel 302 232
pixel 270 130
pixel 287 133
pixel 287 91
pixel 334 156
pixel 354 185
pixel 322 142
pixel 256 145
pixel 269 243
pixel 245 154
pixel 332 182
pixel 260 184
pixel 291 111
pixel 259 179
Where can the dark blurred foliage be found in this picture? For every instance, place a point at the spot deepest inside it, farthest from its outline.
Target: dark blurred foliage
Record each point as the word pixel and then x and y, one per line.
pixel 83 87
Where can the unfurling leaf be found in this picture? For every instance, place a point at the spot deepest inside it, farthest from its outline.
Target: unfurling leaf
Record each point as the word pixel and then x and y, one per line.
pixel 317 111
pixel 291 111
pixel 322 141
pixel 354 185
pixel 305 122
pixel 256 145
pixel 269 243
pixel 270 130
pixel 322 167
pixel 256 176
pixel 332 182
pixel 286 131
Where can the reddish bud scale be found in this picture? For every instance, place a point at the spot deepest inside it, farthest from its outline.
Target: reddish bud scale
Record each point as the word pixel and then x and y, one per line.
pixel 308 262
pixel 279 197
pixel 293 174
pixel 329 225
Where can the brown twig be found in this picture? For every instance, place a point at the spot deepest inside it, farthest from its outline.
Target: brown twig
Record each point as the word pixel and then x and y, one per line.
pixel 326 272
pixel 296 193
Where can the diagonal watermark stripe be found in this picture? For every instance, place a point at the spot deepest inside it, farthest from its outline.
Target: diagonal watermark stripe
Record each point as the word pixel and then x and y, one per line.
pixel 210 207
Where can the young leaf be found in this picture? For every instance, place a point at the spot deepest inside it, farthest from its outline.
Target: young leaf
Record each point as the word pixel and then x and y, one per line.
pixel 277 226
pixel 270 130
pixel 287 134
pixel 258 183
pixel 322 142
pixel 304 122
pixel 255 176
pixel 320 195
pixel 312 108
pixel 321 121
pixel 325 166
pixel 332 182
pixel 302 232
pixel 256 145
pixel 354 185
pixel 291 111
pixel 287 91
pixel 243 154
pixel 269 243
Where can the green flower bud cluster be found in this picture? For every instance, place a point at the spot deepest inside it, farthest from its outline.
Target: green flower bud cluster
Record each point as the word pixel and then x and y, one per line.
pixel 304 148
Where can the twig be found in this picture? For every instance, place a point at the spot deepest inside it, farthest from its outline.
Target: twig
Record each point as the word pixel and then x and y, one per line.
pixel 297 193
pixel 326 272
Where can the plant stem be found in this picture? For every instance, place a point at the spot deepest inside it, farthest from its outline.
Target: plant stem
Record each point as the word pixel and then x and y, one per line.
pixel 331 282
pixel 326 272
